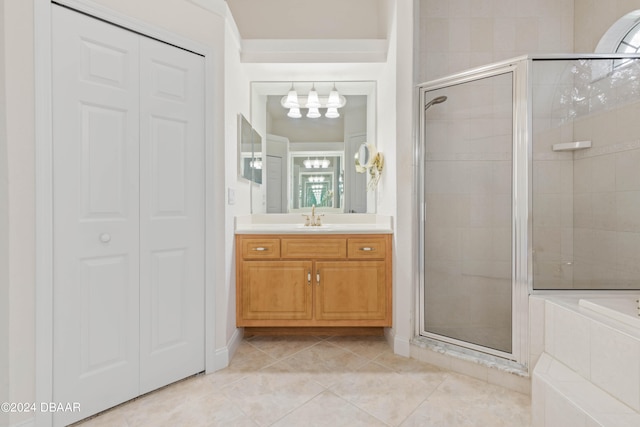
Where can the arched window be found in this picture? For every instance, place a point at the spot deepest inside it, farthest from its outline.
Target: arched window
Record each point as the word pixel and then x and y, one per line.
pixel 630 43
pixel 622 37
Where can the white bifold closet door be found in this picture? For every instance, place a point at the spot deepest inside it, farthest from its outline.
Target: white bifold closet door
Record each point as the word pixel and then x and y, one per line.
pixel 128 202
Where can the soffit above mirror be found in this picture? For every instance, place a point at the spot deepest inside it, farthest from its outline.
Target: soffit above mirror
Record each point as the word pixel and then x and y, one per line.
pixel 310 19
pixel 303 31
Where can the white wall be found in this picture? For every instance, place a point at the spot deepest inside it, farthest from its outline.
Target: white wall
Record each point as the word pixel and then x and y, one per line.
pixel 396 194
pixel 4 237
pixel 237 101
pixel 19 120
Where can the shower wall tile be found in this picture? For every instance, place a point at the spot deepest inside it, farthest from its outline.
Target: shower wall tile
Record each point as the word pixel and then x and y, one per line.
pixel 583 211
pixel 604 247
pixel 546 212
pixel 604 211
pixel 444 244
pixel 627 170
pixel 628 211
pixel 477 244
pixel 582 173
pixel 457 35
pixel 603 173
pixel 628 248
pixel 548 244
pixel 502 210
pixel 547 175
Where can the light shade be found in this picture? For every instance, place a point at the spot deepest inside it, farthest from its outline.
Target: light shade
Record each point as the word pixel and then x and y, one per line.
pixel 256 163
pixel 316 163
pixel 292 99
pixel 294 113
pixel 313 113
pixel 332 113
pixel 312 99
pixel 334 98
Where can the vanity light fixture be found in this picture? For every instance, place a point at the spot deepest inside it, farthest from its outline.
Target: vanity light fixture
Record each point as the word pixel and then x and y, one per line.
pixel 316 163
pixel 312 99
pixel 256 163
pixel 332 113
pixel 313 102
pixel 313 113
pixel 294 113
pixel 334 98
pixel 292 99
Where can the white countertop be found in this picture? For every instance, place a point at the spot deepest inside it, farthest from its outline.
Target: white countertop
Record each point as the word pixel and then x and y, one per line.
pixel 331 224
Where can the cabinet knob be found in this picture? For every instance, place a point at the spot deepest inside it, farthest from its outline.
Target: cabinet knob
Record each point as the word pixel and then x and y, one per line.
pixel 259 249
pixel 105 237
pixel 318 277
pixel 367 249
pixel 309 277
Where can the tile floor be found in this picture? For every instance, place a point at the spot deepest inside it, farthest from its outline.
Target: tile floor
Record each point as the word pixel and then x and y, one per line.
pixel 323 381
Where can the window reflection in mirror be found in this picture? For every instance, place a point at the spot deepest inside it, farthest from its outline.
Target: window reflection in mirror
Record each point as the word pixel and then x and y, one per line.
pixel 286 185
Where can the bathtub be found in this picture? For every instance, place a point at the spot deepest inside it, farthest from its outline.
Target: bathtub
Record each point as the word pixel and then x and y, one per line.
pixel 588 372
pixel 623 309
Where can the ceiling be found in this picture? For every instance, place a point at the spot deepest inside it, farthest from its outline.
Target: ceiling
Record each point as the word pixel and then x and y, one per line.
pixel 311 19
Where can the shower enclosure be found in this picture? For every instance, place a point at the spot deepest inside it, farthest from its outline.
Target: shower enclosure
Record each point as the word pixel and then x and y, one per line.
pixel 529 180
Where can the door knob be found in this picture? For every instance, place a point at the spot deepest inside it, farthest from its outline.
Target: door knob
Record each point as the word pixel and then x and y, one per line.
pixel 105 237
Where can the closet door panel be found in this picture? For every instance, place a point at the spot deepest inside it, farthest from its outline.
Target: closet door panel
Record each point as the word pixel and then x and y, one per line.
pixel 95 214
pixel 171 214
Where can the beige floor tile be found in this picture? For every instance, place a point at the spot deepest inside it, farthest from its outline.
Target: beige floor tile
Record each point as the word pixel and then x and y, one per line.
pixel 268 396
pixel 383 393
pixel 467 402
pixel 367 347
pixel 112 418
pixel 280 347
pixel 292 382
pixel 325 362
pixel 328 410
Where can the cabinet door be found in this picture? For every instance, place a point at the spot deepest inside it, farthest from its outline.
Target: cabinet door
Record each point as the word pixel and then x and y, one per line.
pixel 351 290
pixel 275 290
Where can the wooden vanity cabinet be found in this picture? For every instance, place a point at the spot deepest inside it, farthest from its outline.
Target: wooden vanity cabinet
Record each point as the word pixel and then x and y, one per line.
pixel 318 280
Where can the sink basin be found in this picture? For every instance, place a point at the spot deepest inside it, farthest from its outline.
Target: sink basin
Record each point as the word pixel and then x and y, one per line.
pixel 294 224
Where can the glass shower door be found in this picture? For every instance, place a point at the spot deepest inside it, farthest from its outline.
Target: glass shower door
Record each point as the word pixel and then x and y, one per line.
pixel 467 221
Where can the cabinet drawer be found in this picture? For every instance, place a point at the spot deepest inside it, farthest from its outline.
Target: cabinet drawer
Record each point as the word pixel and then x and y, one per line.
pixel 314 248
pixel 367 247
pixel 260 248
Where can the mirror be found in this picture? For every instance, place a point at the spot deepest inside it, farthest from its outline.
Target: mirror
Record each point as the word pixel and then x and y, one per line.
pixel 249 151
pixel 303 157
pixel 317 180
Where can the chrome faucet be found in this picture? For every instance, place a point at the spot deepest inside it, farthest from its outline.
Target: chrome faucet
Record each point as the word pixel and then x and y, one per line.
pixel 313 220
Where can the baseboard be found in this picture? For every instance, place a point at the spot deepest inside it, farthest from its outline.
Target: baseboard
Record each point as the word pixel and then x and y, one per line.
pixel 223 355
pixel 329 331
pixel 401 345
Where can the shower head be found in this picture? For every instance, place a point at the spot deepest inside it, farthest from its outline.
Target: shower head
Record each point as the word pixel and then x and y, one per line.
pixel 434 101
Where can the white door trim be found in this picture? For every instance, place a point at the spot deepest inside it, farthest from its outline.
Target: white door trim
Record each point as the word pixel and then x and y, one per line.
pixel 214 184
